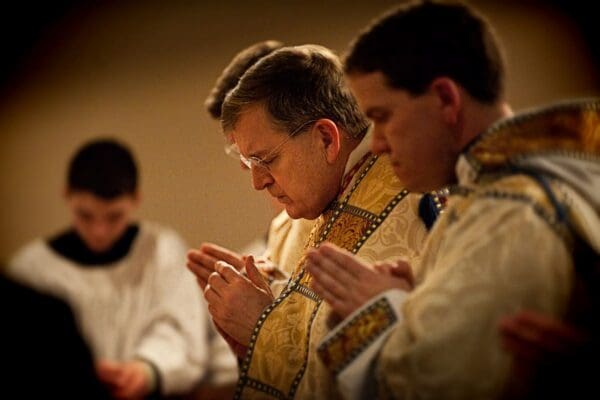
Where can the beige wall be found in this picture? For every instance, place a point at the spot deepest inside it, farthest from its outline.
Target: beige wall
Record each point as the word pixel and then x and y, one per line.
pixel 141 71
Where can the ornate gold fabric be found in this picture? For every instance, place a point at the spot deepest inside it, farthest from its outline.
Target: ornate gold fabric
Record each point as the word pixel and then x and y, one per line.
pixel 374 218
pixel 355 335
pixel 572 127
pixel 500 246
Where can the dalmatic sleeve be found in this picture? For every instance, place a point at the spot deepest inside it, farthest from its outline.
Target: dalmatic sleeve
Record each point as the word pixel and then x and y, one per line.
pixel 350 349
pixel 497 258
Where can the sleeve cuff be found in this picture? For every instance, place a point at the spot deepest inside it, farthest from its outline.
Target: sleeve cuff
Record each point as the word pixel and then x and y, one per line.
pixel 349 350
pixel 153 378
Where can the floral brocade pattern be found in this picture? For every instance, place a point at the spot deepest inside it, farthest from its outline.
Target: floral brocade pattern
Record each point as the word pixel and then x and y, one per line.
pixel 347 229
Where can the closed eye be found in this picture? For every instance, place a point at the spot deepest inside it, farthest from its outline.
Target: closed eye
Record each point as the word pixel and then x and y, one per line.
pixel 377 115
pixel 260 162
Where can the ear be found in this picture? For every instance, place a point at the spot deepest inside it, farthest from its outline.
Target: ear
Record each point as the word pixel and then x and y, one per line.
pixel 329 137
pixel 137 198
pixel 449 98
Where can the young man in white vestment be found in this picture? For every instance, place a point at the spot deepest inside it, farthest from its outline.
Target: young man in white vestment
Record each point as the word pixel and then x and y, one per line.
pixel 139 310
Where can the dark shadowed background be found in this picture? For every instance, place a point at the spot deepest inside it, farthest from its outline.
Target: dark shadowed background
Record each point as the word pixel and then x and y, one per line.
pixel 140 70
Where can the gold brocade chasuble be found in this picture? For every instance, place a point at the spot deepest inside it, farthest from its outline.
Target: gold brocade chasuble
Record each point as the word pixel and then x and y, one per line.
pixel 374 218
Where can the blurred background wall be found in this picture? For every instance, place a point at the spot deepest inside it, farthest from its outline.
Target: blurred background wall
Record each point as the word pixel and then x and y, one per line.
pixel 140 71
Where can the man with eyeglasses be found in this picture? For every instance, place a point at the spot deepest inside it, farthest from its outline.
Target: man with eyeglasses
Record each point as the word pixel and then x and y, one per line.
pixel 278 251
pixel 283 244
pixel 299 131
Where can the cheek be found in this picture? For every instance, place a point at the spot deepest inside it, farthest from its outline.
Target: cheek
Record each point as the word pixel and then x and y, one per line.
pixel 81 225
pixel 119 225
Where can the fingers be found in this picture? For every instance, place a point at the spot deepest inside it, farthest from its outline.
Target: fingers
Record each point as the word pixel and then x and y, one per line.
pixel 220 281
pixel 344 261
pixel 530 335
pixel 402 269
pixel 255 276
pixel 383 267
pixel 134 381
pixel 518 348
pixel 321 264
pixel 325 282
pixel 549 333
pixel 221 253
pixel 227 271
pixel 201 275
pixel 198 257
pixel 107 371
pixel 201 265
pixel 336 304
pixel 201 262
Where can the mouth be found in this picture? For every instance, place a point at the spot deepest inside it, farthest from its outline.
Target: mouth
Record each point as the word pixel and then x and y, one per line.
pixel 281 198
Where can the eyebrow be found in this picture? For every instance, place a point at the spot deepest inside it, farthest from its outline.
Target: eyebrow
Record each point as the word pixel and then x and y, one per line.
pixel 375 110
pixel 261 153
pixel 255 153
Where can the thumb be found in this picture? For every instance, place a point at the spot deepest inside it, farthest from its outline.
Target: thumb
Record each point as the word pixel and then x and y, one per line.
pixel 402 269
pixel 255 276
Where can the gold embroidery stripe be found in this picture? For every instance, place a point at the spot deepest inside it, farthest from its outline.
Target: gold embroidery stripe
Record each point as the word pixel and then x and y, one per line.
pixel 359 212
pixel 341 349
pixel 263 387
pixel 245 365
pixel 307 292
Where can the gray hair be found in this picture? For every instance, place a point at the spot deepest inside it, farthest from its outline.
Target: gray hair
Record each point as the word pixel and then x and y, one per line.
pixel 296 85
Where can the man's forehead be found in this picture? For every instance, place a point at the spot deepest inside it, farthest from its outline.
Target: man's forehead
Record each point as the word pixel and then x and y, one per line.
pixel 367 84
pixel 254 131
pixel 373 92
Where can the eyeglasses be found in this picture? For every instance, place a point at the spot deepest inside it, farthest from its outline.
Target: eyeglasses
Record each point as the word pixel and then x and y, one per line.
pixel 232 150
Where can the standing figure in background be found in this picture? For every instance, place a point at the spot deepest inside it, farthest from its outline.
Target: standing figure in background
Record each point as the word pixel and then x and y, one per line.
pixel 137 308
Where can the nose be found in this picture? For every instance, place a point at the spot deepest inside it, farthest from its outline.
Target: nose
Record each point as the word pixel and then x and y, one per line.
pixel 100 230
pixel 261 178
pixel 379 144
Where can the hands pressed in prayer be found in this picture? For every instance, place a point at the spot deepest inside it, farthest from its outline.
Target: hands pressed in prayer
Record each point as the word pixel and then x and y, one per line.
pixel 202 261
pixel 530 336
pixel 346 283
pixel 125 380
pixel 235 301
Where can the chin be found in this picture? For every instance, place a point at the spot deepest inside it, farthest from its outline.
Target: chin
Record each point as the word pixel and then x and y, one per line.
pixel 99 248
pixel 293 213
pixel 305 214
